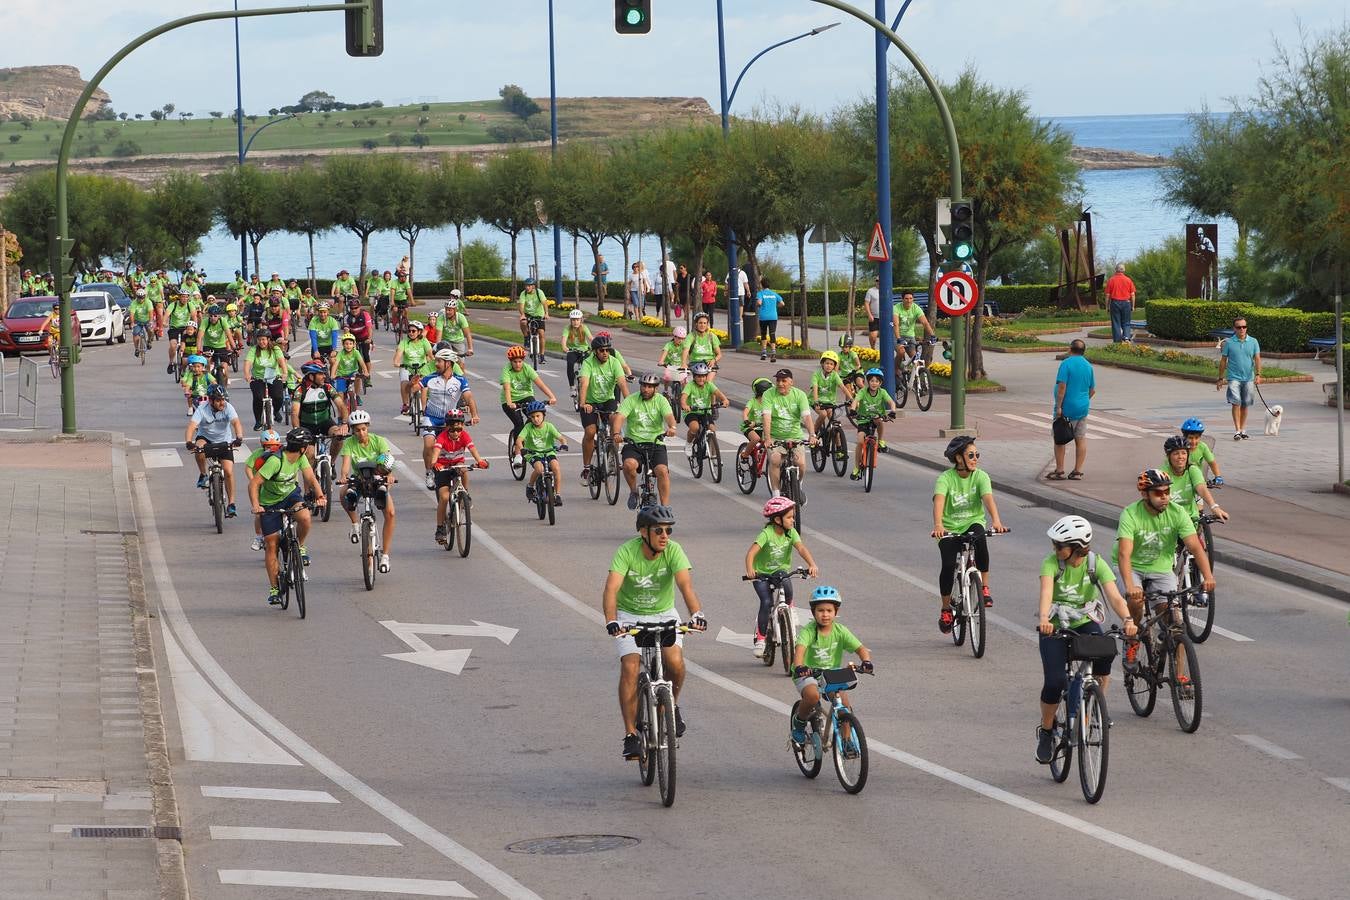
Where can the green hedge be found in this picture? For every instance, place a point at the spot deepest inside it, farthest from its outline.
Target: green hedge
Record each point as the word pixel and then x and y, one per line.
pixel 1278 330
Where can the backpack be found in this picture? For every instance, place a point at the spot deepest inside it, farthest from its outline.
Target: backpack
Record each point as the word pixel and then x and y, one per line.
pixel 1092 570
pixel 262 460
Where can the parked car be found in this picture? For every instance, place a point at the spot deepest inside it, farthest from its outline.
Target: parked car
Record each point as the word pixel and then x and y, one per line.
pixel 100 316
pixel 119 293
pixel 24 325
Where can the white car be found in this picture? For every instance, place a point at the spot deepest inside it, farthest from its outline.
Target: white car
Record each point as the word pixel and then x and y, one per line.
pixel 101 319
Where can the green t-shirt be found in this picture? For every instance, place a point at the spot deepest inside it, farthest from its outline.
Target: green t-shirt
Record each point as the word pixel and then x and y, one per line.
pixel 1155 536
pixel 909 318
pixel 540 441
pixel 521 384
pixel 1184 487
pixel 1201 455
pixel 214 334
pixel 786 411
pixel 826 651
pixel 452 329
pixel 775 550
pixel 849 362
pixel 377 286
pixel 348 362
pixel 195 385
pixel 826 387
pixel 154 290
pixel 754 415
pixel 573 341
pixel 700 399
pixel 371 451
pixel 323 328
pixel 141 310
pixel 648 587
pixel 400 291
pixel 1074 586
pixel 532 302
pixel 416 355
pixel 964 504
pixel 644 420
pixel 674 351
pixel 703 347
pixel 234 323
pixel 265 366
pixel 179 312
pixel 602 380
pixel 873 406
pixel 345 287
pixel 280 478
pixel 276 284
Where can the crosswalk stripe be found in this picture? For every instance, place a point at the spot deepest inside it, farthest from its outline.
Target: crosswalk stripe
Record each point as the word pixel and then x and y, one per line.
pixel 161 459
pixel 273 878
pixel 1095 425
pixel 301 835
pixel 1039 425
pixel 225 792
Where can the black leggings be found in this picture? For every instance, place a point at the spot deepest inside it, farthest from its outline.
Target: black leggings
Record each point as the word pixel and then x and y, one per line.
pixel 1054 660
pixel 950 546
pixel 574 358
pixel 276 390
pixel 768 331
pixel 516 413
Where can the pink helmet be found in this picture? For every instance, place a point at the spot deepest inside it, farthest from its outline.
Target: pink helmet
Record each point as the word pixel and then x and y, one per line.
pixel 777 506
pixel 679 332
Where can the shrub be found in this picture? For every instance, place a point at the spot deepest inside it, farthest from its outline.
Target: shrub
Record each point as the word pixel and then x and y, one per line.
pixel 1191 320
pixel 651 322
pixel 481 261
pixel 127 148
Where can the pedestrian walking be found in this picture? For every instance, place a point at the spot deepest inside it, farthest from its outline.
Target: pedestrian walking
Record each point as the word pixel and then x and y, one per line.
pixel 1075 386
pixel 768 302
pixel 1240 370
pixel 600 274
pixel 686 290
pixel 637 288
pixel 708 292
pixel 1120 299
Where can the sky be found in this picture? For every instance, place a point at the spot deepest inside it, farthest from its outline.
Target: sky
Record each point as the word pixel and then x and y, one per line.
pixel 1070 57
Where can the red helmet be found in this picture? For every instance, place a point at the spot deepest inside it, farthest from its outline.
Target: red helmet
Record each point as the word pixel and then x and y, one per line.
pixel 516 352
pixel 777 506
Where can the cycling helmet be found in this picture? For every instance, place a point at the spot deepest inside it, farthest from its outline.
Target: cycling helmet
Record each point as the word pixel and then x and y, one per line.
pixel 324 304
pixel 1071 530
pixel 516 352
pixel 831 356
pixel 760 385
pixel 216 392
pixel 140 292
pixel 874 372
pixel 826 594
pixel 348 336
pixel 702 315
pixel 655 515
pixel 313 368
pixel 679 332
pixel 535 406
pixel 777 506
pixel 262 333
pixel 433 315
pixel 649 379
pixel 442 345
pixel 414 324
pixel 190 326
pixel 298 439
pixel 956 446
pixel 213 310
pixel 1192 426
pixel 845 341
pixel 455 415
pixel 231 307
pixel 354 302
pixel 603 334
pixel 601 342
pixel 196 358
pixel 274 299
pixel 1149 479
pixel 1175 442
pixel 358 417
pixel 576 314
pixel 447 353
pixel 270 438
pixel 700 368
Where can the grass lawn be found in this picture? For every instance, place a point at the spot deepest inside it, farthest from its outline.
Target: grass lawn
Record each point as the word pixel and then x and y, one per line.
pixel 979 384
pixel 1173 362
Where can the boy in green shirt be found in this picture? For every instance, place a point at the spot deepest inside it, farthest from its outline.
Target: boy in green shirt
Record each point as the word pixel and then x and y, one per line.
pixel 771 554
pixel 1188 485
pixel 195 382
pixel 961 497
pixel 539 442
pixel 826 383
pixel 752 418
pixel 700 399
pixel 869 407
pixel 1193 430
pixel 822 645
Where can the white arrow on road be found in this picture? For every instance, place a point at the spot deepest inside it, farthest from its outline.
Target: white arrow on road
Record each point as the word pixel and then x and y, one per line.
pixel 727 636
pixel 452 661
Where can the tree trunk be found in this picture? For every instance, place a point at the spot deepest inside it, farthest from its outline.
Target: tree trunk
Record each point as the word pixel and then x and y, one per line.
pixel 255 252
pixel 313 287
pixel 534 242
pixel 459 257
pixel 576 271
pixel 600 286
pixel 667 289
pixel 801 269
pixel 365 250
pixel 852 284
pixel 514 234
pixel 974 344
pixel 627 266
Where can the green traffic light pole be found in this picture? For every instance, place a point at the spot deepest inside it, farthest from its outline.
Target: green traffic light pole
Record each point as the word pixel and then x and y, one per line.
pixel 63 167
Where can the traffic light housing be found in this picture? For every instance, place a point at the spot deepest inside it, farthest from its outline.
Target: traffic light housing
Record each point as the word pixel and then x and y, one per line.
pixel 365 28
pixel 633 16
pixel 65 266
pixel 963 231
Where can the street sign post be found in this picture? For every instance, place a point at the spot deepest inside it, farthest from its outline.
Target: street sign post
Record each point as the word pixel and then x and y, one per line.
pixel 957 293
pixel 877 251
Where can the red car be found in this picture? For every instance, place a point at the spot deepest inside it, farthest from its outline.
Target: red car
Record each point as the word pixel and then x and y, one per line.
pixel 24 325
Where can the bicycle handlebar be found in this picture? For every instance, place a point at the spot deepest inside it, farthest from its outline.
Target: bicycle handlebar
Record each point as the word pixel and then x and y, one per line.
pixel 799 572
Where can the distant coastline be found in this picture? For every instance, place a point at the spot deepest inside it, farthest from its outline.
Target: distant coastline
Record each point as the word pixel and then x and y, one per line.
pixel 1104 158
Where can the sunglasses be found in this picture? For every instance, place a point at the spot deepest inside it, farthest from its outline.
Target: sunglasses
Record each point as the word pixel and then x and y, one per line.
pixel 1240 327
pixel 663 529
pixel 974 454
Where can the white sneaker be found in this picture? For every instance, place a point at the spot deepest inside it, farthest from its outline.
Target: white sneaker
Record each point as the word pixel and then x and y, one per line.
pixel 431 481
pixel 384 562
pixel 757 650
pixel 257 543
pixel 356 533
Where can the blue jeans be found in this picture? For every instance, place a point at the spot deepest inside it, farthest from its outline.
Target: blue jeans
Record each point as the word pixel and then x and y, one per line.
pixel 1121 311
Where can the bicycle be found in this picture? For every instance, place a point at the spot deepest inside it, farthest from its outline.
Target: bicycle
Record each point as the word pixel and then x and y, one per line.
pixel 849 751
pixel 912 375
pixel 870 448
pixel 179 362
pixel 54 356
pixel 790 477
pixel 534 342
pixel 415 402
pixel 749 469
pixel 399 318
pixel 291 575
pixel 704 448
pixel 782 633
pixel 1163 645
pixel 514 459
pixel 459 515
pixel 647 493
pixel 968 612
pixel 215 482
pixel 674 387
pixel 833 444
pixel 546 488
pixel 1198 610
pixel 605 466
pixel 355 391
pixel 656 705
pixel 1081 721
pixel 323 471
pixel 367 482
pixel 268 414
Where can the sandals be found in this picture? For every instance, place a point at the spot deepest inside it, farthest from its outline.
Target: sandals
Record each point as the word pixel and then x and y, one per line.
pixel 1057 475
pixel 1075 475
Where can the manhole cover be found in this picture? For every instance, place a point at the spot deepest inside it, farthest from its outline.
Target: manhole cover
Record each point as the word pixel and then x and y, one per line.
pixel 569 844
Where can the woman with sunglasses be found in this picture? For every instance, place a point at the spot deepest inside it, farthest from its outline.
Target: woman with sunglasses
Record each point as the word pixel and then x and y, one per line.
pixel 961 498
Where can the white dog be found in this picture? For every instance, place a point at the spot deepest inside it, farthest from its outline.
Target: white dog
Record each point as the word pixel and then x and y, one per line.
pixel 1274 415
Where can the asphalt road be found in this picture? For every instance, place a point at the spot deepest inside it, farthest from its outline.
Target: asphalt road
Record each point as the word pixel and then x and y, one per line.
pixel 420 778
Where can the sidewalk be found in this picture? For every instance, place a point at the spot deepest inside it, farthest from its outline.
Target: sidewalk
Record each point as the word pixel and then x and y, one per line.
pixel 73 748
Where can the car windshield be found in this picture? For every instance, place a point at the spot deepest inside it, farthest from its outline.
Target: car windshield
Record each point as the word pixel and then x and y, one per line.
pixel 88 303
pixel 29 309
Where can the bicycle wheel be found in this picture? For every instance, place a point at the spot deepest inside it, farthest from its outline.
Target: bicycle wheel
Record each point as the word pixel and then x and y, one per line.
pixel 770 646
pixel 415 414
pixel 793 489
pixel 818 454
pixel 540 499
pixel 839 449
pixel 646 730
pixel 1186 699
pixel 217 491
pixel 517 460
pixel 464 524
pixel 850 753
pixel 745 473
pixel 923 391
pixel 714 451
pixel 959 620
pixel 869 463
pixel 1061 753
pixel 975 598
pixel 901 388
pixel 1198 609
pixel 369 564
pixel 693 451
pixel 178 369
pixel 808 760
pixel 297 579
pixel 611 475
pixel 665 745
pixel 787 642
pixel 326 485
pixel 548 503
pixel 1094 743
pixel 1141 688
pixel 597 477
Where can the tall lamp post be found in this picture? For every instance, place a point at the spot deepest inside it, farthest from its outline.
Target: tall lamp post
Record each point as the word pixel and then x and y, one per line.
pixel 243 154
pixel 239 132
pixel 733 278
pixel 553 151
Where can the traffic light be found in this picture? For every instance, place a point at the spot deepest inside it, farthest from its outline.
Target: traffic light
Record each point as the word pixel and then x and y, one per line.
pixel 963 230
pixel 365 28
pixel 65 266
pixel 632 16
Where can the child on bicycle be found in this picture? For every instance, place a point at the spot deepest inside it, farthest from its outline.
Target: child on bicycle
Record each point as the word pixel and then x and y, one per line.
pixel 821 645
pixel 195 382
pixel 1072 578
pixel 1188 485
pixel 1193 430
pixel 576 343
pixel 869 407
pixel 672 352
pixel 450 447
pixel 850 365
pixel 700 399
pixel 348 369
pixel 752 420
pixel 826 383
pixel 539 441
pixel 771 554
pixel 961 497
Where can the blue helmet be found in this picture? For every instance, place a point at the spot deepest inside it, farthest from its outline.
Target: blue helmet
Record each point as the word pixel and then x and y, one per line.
pixel 196 358
pixel 1192 426
pixel 216 391
pixel 535 406
pixel 313 368
pixel 826 594
pixel 875 371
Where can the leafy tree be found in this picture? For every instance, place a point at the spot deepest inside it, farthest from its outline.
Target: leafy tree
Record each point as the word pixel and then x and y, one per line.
pixel 15 138
pixel 506 194
pixel 122 116
pixel 517 102
pixel 216 114
pixel 1205 173
pixel 302 197
pixel 246 204
pixel 126 148
pixel 168 109
pixel 751 196
pixel 453 193
pixel 274 112
pixel 419 140
pixel 184 207
pixel 397 139
pixel 317 101
pixel 156 114
pixel 1159 271
pixel 477 259
pixel 356 194
pixel 411 206
pixel 577 194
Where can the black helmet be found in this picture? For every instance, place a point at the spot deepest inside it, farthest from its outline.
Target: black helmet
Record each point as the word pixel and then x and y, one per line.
pixel 298 439
pixel 760 385
pixel 1175 442
pixel 957 446
pixel 601 343
pixel 655 515
pixel 1151 479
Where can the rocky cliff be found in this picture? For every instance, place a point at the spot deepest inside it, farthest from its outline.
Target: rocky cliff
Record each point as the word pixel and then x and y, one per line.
pixel 44 92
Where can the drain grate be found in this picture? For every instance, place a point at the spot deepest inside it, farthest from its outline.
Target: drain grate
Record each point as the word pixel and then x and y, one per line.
pixel 572 844
pixel 159 832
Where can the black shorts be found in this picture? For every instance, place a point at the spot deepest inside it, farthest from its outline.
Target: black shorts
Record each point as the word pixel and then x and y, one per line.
pixel 222 452
pixel 382 306
pixel 592 419
pixel 270 520
pixel 322 429
pixel 768 328
pixel 657 454
pixel 446 478
pixel 219 354
pixel 176 334
pixel 703 418
pixel 873 325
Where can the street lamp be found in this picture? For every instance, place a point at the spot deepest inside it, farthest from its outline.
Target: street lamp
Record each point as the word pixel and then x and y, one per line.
pixel 243 153
pixel 553 151
pixel 733 278
pixel 239 132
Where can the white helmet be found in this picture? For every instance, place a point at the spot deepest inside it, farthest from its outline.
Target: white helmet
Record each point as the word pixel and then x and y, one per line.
pixel 358 417
pixel 1071 530
pixel 576 314
pixel 447 354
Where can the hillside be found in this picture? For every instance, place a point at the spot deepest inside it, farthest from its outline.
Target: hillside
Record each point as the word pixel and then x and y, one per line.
pixel 43 92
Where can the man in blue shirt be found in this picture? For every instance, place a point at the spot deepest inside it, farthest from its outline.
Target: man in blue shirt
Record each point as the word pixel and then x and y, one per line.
pixel 1075 385
pixel 767 302
pixel 1240 369
pixel 209 434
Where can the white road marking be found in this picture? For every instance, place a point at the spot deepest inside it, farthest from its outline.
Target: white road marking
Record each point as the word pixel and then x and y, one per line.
pixel 1096 425
pixel 450 661
pixel 735 638
pixel 161 459
pixel 279 794
pixel 1035 424
pixel 408 631
pixel 172 608
pixel 212 730
pixel 1266 746
pixel 1231 635
pixel 1342 783
pixel 271 878
pixel 301 836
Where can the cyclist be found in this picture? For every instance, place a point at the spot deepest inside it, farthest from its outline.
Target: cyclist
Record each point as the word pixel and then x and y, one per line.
pixel 323 333
pixel 254 310
pixel 700 400
pixel 266 370
pixel 826 383
pixel 576 343
pixel 400 294
pixel 786 411
pixel 533 305
pixel 275 486
pixel 413 358
pixel 962 496
pixel 771 554
pixel 907 315
pixel 275 284
pixel 195 382
pixel 215 422
pixel 644 418
pixel 672 353
pixel 269 441
pixel 312 407
pixel 293 297
pixel 456 328
pixel 450 447
pixel 1188 485
pixel 358 324
pixel 599 382
pixel 703 345
pixel 432 330
pixel 377 291
pixel 154 292
pixel 640 588
pixel 236 326
pixel 1072 579
pixel 870 406
pixel 179 312
pixel 821 644
pixel 344 286
pixel 752 425
pixel 216 342
pixel 538 442
pixel 237 286
pixel 277 319
pixel 444 392
pixel 348 371
pixel 518 381
pixel 1193 430
pixel 614 352
pixel 1146 539
pixel 850 365
pixel 142 313
pixel 366 446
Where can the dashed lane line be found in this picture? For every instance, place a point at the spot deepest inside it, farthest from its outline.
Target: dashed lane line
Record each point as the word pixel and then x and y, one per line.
pixel 1266 746
pixel 233 792
pixel 274 878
